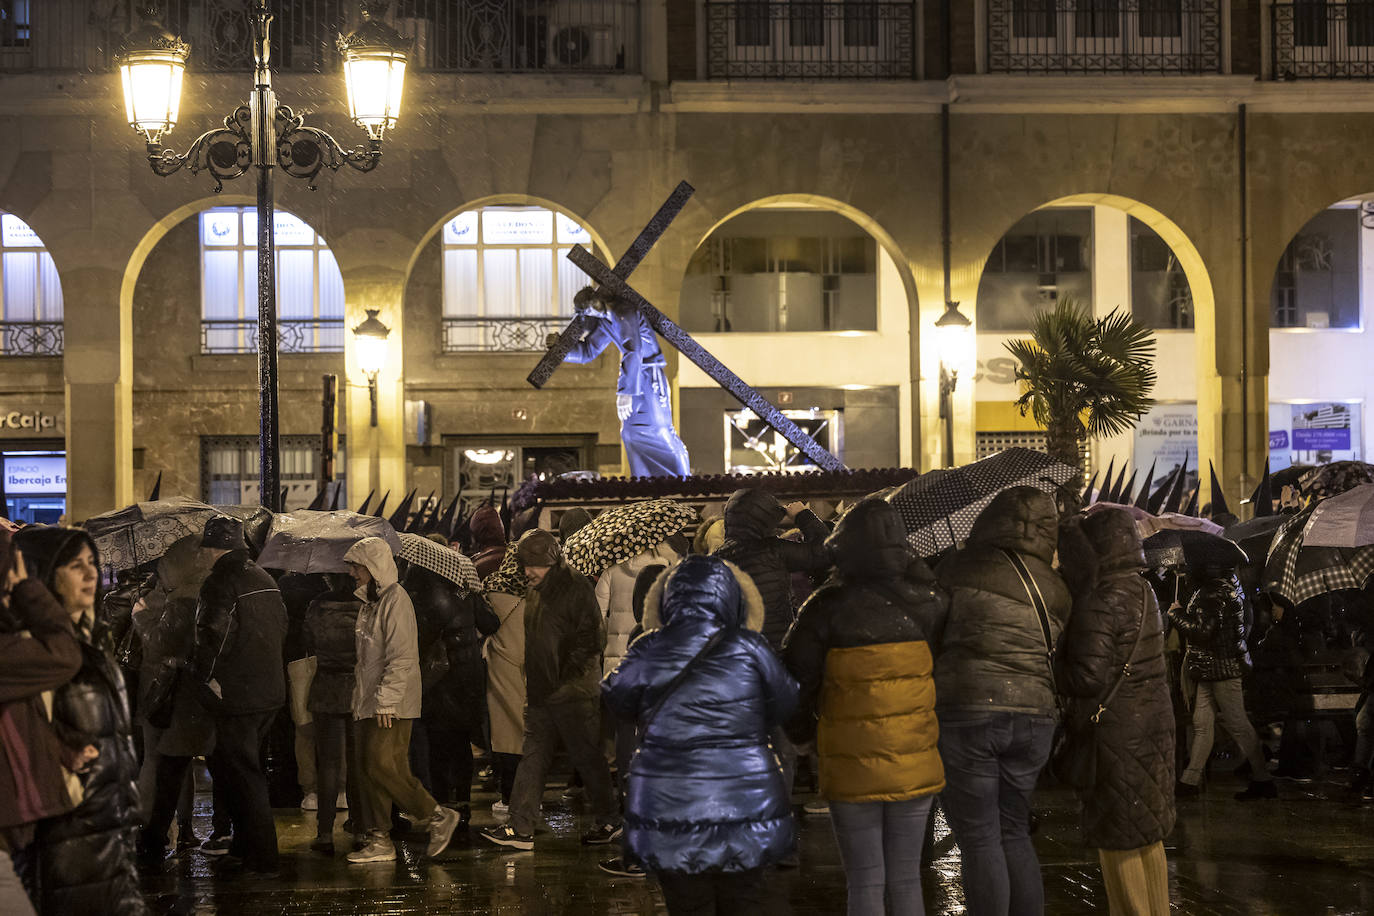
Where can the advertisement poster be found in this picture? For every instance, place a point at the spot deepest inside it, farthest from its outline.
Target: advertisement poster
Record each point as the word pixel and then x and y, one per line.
pixel 1165 437
pixel 1314 433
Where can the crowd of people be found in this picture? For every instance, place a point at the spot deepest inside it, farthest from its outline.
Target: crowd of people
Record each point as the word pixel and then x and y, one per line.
pixel 684 684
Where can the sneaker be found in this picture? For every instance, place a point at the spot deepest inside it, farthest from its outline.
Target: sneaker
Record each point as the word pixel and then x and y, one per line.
pixel 505 835
pixel 602 834
pixel 378 849
pixel 500 810
pixel 1258 789
pixel 817 808
pixel 441 827
pixel 311 802
pixel 621 867
pixel 1186 790
pixel 217 845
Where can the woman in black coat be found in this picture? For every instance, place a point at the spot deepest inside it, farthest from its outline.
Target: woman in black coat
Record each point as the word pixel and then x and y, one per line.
pixel 328 634
pixel 456 619
pixel 1116 623
pixel 82 862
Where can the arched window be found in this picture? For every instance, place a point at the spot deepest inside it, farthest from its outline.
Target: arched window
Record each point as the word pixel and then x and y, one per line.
pixel 32 293
pixel 310 293
pixel 507 280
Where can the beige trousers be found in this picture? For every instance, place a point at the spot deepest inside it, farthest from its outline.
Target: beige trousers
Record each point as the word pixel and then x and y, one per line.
pixel 1137 880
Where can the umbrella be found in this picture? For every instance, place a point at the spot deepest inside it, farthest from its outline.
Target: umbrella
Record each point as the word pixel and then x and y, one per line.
pixel 1346 520
pixel 1290 476
pixel 143 532
pixel 1192 548
pixel 257 522
pixel 939 508
pixel 509 578
pixel 1336 478
pixel 1297 573
pixel 305 541
pixel 1174 521
pixel 1135 512
pixel 440 560
pixel 625 531
pixel 1255 536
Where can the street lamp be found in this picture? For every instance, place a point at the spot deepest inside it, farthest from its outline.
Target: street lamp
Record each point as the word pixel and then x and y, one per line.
pixel 371 349
pixel 264 135
pixel 951 331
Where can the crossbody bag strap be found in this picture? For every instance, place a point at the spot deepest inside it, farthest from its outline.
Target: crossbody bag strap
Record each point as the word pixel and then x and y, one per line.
pixel 1036 599
pixel 677 680
pixel 1126 667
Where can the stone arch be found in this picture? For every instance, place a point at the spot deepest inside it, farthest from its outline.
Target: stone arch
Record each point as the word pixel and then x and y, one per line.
pixel 1208 387
pixel 886 358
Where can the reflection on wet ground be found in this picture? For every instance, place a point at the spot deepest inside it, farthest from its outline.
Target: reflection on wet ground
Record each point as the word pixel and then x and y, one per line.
pixel 1310 852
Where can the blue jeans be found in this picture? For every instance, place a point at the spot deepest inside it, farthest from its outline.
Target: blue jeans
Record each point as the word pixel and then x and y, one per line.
pixel 991 763
pixel 880 846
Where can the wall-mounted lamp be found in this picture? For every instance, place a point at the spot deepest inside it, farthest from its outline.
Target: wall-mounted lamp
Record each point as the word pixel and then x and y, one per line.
pixel 370 337
pixel 951 332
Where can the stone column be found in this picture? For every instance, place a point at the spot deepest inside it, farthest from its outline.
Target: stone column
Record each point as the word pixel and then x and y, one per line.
pixel 98 369
pixel 376 454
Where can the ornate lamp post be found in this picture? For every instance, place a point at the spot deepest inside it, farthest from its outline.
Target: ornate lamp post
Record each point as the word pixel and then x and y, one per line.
pixel 370 337
pixel 951 330
pixel 264 135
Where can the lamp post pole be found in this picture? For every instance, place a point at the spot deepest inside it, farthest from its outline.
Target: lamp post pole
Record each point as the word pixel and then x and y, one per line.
pixel 948 381
pixel 263 102
pixel 951 329
pixel 264 135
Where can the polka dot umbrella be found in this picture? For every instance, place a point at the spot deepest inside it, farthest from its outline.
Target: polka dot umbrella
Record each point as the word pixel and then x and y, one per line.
pixel 625 531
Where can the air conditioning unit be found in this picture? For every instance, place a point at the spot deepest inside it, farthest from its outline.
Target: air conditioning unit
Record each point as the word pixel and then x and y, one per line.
pixel 591 34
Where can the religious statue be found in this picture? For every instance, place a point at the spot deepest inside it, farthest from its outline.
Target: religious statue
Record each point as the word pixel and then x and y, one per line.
pixel 641 394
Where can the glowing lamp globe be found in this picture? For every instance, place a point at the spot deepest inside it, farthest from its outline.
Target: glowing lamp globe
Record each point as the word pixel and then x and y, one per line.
pixel 370 337
pixel 374 64
pixel 151 64
pixel 952 332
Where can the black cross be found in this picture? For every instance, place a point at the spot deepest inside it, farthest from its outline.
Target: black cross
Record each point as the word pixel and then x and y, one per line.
pixel 613 282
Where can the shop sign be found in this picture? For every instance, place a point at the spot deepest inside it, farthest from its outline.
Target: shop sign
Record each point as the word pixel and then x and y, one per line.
pixel 1278 439
pixel 1167 437
pixel 29 421
pixel 28 475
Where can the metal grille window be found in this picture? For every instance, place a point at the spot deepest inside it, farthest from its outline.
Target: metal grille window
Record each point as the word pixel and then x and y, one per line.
pixel 30 293
pixel 811 39
pixel 1104 36
pixel 1315 38
pixel 310 294
pixel 229 469
pixel 508 283
pixel 990 443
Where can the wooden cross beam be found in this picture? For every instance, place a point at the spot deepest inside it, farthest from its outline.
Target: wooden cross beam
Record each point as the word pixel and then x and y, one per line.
pixel 613 281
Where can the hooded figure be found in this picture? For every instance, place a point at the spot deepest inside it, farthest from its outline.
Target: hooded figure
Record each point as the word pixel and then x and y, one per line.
pixel 488 540
pixel 1116 622
pixel 706 795
pixel 994 693
pixel 82 862
pixel 861 650
pixel 505 656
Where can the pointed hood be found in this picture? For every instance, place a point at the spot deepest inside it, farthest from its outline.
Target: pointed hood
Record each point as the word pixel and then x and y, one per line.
pixel 402 514
pixel 156 494
pixel 1263 497
pixel 1175 501
pixel 1218 500
pixel 1107 481
pixel 1088 490
pixel 1120 483
pixel 1157 499
pixel 1142 501
pixel 1127 493
pixel 375 554
pixel 367 503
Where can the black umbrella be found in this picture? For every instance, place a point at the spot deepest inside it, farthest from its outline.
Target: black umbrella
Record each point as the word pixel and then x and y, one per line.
pixel 1297 573
pixel 1255 536
pixel 1194 549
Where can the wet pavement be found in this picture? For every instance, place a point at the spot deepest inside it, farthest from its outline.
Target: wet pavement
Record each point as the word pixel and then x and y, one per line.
pixel 1310 852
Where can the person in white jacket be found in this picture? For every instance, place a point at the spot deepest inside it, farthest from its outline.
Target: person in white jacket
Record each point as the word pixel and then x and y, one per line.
pixel 386 702
pixel 615 593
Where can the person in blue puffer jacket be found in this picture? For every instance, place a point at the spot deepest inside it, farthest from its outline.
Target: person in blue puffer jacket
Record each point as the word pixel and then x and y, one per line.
pixel 706 808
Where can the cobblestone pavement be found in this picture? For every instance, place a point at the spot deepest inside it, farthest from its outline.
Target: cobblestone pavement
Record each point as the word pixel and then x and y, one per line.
pixel 1311 852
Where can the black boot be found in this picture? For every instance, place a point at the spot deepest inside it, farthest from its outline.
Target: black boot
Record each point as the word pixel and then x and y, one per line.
pixel 1184 790
pixel 1258 789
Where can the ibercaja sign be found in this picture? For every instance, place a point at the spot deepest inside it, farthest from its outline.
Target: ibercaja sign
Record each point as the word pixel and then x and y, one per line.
pixel 29 421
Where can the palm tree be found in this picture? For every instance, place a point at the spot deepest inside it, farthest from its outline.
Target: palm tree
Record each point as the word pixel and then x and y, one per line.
pixel 1083 377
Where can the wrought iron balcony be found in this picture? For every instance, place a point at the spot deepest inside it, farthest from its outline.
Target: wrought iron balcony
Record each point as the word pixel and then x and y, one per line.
pixel 30 338
pixel 294 335
pixel 501 335
pixel 1104 36
pixel 599 36
pixel 758 39
pixel 1320 40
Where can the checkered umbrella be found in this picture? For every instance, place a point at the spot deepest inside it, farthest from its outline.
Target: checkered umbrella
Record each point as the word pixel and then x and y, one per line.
pixel 1346 520
pixel 509 578
pixel 625 531
pixel 309 541
pixel 143 532
pixel 939 508
pixel 1297 573
pixel 440 560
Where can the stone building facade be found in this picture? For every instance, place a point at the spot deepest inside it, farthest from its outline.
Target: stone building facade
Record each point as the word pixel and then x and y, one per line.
pixel 1199 142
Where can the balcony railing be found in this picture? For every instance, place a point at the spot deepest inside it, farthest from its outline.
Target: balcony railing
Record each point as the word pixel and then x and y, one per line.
pixel 600 36
pixel 294 335
pixel 30 338
pixel 1104 36
pixel 1322 40
pixel 757 39
pixel 501 335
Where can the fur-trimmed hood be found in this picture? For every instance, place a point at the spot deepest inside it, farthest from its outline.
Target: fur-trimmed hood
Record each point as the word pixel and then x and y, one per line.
pixel 704 586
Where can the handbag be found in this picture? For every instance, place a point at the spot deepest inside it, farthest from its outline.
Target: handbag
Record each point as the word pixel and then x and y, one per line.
pixel 434 666
pixel 301 674
pixel 160 697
